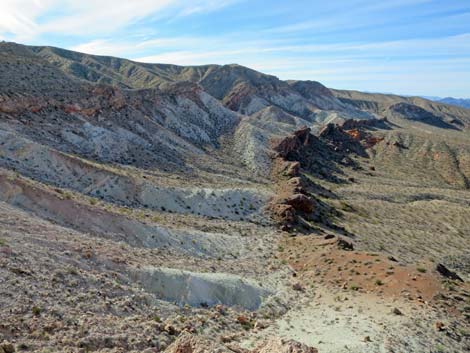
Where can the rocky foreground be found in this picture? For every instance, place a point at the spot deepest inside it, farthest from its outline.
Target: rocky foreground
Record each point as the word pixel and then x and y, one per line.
pixel 159 208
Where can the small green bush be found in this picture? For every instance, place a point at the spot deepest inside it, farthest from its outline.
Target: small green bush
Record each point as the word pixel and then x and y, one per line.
pixel 36 310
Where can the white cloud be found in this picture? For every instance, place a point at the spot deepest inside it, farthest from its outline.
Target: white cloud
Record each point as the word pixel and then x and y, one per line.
pixel 103 47
pixel 28 19
pixel 195 58
pixel 215 49
pixel 104 16
pixel 18 16
pixel 121 48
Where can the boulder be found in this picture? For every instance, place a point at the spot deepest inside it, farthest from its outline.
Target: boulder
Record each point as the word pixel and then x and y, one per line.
pixel 300 202
pixel 344 244
pixel 284 214
pixel 296 182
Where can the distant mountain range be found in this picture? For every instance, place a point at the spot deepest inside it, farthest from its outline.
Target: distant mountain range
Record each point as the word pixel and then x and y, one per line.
pixel 459 102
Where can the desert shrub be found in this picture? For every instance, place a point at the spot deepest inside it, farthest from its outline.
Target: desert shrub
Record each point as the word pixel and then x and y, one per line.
pixel 354 287
pixel 36 310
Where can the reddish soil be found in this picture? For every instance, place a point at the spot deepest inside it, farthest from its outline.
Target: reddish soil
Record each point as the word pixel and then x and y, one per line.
pixel 321 261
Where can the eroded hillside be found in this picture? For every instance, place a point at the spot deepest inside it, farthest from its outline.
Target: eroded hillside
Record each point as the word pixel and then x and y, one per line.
pixel 149 208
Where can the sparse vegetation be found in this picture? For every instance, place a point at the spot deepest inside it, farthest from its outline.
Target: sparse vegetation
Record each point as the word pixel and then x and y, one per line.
pixel 354 287
pixel 36 310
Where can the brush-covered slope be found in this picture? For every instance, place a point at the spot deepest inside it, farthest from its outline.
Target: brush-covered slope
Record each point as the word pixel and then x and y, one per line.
pixel 119 72
pixel 239 88
pixel 107 123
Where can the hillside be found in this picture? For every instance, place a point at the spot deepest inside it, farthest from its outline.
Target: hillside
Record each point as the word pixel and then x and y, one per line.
pixel 408 107
pixel 161 208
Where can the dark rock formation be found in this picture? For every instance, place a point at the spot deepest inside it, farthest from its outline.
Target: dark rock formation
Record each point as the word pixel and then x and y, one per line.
pixel 342 140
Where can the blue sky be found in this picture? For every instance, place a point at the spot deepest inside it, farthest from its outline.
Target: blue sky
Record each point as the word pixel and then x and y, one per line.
pixel 414 47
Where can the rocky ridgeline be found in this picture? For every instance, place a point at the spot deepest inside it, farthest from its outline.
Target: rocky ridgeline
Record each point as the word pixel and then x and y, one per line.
pixel 318 155
pixel 291 198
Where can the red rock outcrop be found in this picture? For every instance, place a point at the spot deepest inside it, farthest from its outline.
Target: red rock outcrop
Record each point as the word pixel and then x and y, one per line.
pixel 300 202
pixel 352 135
pixel 344 141
pixel 358 129
pixel 319 156
pixel 292 143
pixel 291 199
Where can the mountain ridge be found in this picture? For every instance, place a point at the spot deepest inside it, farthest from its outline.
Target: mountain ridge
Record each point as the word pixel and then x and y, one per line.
pixel 461 102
